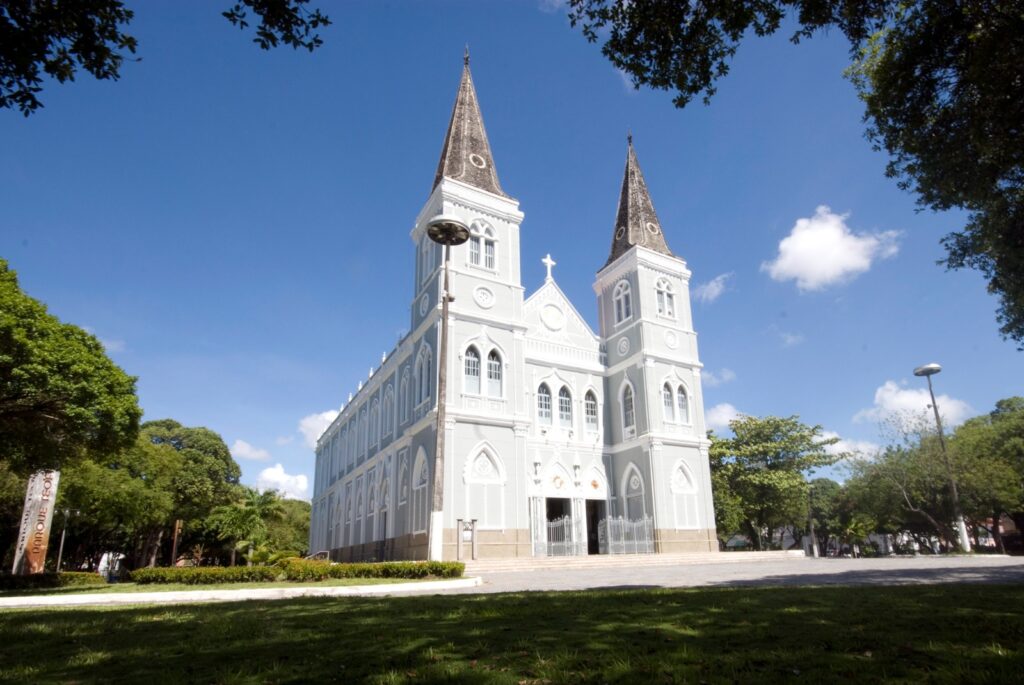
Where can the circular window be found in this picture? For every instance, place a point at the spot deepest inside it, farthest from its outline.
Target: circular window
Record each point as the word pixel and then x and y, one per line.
pixel 478 161
pixel 653 228
pixel 619 232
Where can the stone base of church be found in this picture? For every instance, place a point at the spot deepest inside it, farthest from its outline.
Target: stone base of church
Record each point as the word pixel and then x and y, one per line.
pixel 669 541
pixel 490 544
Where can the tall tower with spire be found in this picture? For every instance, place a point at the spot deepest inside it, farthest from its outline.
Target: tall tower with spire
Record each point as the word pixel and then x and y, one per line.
pixel 655 405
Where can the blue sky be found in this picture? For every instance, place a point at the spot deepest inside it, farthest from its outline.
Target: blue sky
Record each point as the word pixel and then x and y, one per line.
pixel 233 223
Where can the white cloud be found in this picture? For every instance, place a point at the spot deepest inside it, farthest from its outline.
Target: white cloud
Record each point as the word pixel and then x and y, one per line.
pixel 275 478
pixel 710 291
pixel 858 448
pixel 627 81
pixel 712 379
pixel 283 440
pixel 822 250
pixel 109 344
pixel 790 339
pixel 313 426
pixel 893 400
pixel 719 416
pixel 243 450
pixel 551 6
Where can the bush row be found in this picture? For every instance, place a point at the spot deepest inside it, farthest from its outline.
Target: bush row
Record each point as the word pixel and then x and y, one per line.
pixel 309 570
pixel 202 575
pixel 51 580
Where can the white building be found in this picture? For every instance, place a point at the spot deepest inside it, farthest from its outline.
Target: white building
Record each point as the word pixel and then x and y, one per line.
pixel 559 440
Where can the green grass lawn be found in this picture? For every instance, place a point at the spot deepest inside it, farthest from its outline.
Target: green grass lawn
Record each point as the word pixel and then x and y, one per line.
pixel 907 634
pixel 169 587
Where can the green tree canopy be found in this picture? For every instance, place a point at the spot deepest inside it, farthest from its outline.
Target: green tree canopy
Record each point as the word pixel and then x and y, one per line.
pixel 940 82
pixel 56 38
pixel 61 397
pixel 761 471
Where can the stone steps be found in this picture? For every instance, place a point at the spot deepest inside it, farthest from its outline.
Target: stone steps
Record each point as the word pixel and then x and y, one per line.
pixel 483 566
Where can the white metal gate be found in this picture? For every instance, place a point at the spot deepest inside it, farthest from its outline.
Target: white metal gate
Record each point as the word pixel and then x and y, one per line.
pixel 566 538
pixel 621 536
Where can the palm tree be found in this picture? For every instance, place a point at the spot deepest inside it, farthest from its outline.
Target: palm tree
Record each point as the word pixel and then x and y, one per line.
pixel 245 521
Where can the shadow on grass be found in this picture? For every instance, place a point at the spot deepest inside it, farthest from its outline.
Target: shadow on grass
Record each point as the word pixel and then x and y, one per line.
pixel 937 573
pixel 937 633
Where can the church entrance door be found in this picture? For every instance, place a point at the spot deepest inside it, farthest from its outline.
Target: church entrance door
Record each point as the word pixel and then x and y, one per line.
pixel 564 533
pixel 595 514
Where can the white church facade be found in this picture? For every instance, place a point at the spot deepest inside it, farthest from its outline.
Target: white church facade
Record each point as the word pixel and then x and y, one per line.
pixel 558 440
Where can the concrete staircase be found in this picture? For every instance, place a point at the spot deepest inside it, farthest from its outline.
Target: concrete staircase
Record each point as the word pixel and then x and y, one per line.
pixel 485 566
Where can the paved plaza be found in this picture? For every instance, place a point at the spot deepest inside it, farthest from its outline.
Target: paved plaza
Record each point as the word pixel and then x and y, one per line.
pixel 776 572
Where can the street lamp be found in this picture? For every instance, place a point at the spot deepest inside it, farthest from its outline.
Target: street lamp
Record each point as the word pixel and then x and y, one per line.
pixel 929 370
pixel 448 231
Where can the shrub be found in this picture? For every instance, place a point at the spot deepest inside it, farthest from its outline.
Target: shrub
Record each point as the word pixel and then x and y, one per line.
pixel 203 575
pixel 38 581
pixel 305 570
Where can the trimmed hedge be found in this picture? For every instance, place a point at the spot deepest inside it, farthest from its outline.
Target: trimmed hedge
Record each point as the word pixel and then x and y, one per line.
pixel 203 575
pixel 308 570
pixel 37 581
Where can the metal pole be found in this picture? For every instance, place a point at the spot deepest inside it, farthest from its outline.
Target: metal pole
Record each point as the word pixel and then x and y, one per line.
pixel 961 527
pixel 810 524
pixel 63 532
pixel 435 532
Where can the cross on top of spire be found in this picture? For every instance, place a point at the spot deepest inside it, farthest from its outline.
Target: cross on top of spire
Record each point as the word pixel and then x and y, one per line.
pixel 548 262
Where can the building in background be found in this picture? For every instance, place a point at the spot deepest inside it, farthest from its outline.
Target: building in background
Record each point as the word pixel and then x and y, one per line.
pixel 559 440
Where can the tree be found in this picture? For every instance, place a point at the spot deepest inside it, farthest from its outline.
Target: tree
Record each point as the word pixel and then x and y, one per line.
pixel 290 532
pixel 824 502
pixel 55 38
pixel 61 397
pixel 762 468
pixel 940 82
pixel 244 522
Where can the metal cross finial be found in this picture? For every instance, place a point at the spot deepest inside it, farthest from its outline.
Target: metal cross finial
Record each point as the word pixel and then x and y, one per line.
pixel 548 262
pixel 629 137
pixel 465 57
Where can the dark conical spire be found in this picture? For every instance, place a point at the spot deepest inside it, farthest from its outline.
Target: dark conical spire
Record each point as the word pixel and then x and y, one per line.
pixel 466 155
pixel 635 220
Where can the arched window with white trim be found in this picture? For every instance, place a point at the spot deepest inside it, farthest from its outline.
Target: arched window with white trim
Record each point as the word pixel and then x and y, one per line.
pixel 384 501
pixel 388 411
pixel 623 301
pixel 419 493
pixel 357 536
pixel 426 257
pixel 494 374
pixel 422 372
pixel 404 397
pixel 668 402
pixel 683 405
pixel 363 431
pixel 666 298
pixel 344 449
pixel 484 476
pixel 375 422
pixel 347 530
pixel 564 408
pixel 628 410
pixel 590 410
pixel 371 514
pixel 684 497
pixel 544 404
pixel 472 371
pixel 633 487
pixel 483 250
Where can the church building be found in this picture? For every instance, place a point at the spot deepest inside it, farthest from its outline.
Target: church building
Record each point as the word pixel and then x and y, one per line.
pixel 558 440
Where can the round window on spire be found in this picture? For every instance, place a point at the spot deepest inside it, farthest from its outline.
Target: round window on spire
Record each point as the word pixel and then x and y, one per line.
pixel 653 228
pixel 620 232
pixel 477 161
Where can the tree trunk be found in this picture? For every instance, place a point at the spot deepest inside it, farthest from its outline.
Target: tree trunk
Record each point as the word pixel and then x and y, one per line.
pixel 997 530
pixel 154 549
pixel 232 556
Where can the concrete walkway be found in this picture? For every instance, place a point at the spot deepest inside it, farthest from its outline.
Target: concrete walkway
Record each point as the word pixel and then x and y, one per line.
pixel 189 596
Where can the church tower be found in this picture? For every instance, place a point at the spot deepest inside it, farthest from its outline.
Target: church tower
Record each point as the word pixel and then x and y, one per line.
pixel 654 411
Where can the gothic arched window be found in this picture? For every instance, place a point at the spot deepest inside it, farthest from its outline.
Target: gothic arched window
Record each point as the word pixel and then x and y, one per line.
pixel 494 374
pixel 683 403
pixel 622 297
pixel 419 493
pixel 423 374
pixel 375 422
pixel 362 431
pixel 472 371
pixel 668 402
pixel 388 412
pixel 590 410
pixel 628 410
pixel 666 298
pixel 482 247
pixel 564 408
pixel 404 397
pixel 544 404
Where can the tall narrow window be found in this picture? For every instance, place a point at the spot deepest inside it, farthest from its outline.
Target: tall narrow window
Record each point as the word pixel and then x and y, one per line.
pixel 668 401
pixel 590 410
pixel 489 254
pixel 666 298
pixel 474 250
pixel 482 247
pixel 472 371
pixel 388 413
pixel 375 423
pixel 494 374
pixel 423 374
pixel 404 397
pixel 684 405
pixel 628 412
pixel 362 431
pixel 564 408
pixel 419 494
pixel 544 404
pixel 623 302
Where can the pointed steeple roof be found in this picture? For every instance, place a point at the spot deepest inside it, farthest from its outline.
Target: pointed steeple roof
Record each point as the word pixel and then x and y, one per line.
pixel 635 220
pixel 466 155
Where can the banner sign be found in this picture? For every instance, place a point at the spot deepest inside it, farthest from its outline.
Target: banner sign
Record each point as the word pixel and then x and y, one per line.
pixel 36 517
